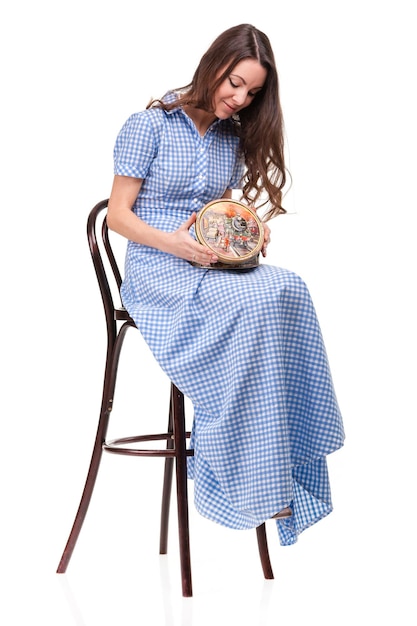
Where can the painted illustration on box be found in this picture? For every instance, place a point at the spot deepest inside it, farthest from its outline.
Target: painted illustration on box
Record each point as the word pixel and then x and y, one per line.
pixel 231 230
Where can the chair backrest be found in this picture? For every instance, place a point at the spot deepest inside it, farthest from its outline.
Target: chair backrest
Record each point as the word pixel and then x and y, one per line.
pixel 105 265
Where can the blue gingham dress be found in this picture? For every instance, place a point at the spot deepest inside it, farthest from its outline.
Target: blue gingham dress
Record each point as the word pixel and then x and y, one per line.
pixel 244 346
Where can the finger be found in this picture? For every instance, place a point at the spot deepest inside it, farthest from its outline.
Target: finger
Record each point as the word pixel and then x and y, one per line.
pixel 203 256
pixel 191 220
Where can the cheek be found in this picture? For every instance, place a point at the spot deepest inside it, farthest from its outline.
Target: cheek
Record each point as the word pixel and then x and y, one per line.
pixel 221 93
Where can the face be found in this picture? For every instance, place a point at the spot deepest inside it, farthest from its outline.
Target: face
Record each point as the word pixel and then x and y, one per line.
pixel 239 88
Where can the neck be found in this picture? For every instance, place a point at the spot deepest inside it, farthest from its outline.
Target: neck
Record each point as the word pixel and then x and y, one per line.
pixel 201 119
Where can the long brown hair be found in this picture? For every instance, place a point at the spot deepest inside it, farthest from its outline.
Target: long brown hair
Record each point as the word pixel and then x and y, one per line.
pixel 259 125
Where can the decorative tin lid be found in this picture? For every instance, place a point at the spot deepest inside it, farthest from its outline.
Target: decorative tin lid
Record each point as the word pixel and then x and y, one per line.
pixel 232 230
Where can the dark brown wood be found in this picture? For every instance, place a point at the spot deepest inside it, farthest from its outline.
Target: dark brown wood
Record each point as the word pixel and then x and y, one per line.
pixel 263 552
pixel 182 493
pixel 167 485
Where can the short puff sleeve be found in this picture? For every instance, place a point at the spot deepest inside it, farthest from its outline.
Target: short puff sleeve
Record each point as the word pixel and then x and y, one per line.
pixel 136 146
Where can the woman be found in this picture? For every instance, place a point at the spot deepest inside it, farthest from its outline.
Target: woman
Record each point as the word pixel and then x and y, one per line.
pixel 244 346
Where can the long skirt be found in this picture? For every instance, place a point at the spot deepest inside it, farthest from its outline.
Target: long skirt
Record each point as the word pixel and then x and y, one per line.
pixel 246 348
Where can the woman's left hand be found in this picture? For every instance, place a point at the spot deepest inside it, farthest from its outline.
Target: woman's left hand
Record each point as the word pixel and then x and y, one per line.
pixel 267 239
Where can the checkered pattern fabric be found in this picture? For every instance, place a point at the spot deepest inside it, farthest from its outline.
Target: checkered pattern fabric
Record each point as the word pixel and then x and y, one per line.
pixel 244 346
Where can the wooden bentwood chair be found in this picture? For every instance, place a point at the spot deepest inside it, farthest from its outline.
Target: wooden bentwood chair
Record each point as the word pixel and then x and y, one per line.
pixel 118 321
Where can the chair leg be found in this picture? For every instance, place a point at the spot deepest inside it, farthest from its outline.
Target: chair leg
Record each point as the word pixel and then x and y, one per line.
pixel 167 488
pixel 182 493
pixel 166 501
pixel 263 552
pixel 114 347
pixel 85 498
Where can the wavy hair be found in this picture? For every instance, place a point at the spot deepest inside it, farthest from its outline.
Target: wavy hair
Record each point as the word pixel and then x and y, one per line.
pixel 259 126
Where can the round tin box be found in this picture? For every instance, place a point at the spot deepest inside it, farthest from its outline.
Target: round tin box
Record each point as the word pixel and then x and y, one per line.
pixel 233 231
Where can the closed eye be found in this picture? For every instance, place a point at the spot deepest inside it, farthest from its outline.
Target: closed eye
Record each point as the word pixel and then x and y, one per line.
pixel 251 94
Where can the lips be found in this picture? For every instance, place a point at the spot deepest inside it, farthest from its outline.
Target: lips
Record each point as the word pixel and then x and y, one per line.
pixel 229 108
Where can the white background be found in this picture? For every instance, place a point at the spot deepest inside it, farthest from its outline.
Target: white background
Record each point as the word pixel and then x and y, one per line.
pixel 71 74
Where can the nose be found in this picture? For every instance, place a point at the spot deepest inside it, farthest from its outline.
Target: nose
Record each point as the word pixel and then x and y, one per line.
pixel 239 96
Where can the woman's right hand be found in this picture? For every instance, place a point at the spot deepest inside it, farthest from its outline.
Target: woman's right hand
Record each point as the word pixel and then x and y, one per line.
pixel 186 247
